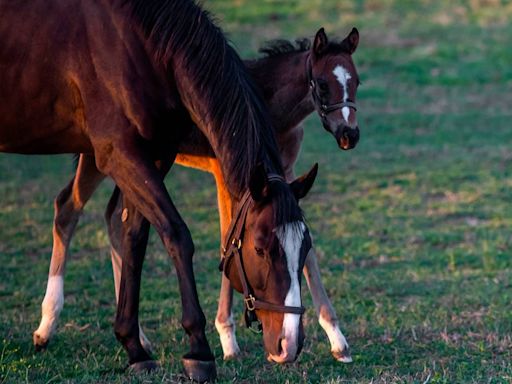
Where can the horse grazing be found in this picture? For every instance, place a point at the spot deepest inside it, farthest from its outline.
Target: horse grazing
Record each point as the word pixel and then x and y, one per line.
pixel 121 80
pixel 294 80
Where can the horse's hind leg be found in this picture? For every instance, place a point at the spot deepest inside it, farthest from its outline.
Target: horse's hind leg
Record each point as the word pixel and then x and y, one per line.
pixel 224 322
pixel 326 315
pixel 113 216
pixel 68 206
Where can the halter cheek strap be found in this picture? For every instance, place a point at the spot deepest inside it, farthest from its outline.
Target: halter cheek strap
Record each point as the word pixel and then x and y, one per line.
pixel 323 109
pixel 233 249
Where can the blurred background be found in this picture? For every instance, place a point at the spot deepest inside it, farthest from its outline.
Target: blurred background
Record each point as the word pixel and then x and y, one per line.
pixel 412 227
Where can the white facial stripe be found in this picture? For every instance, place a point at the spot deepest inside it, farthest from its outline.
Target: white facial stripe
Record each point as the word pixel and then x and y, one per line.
pixel 343 77
pixel 290 237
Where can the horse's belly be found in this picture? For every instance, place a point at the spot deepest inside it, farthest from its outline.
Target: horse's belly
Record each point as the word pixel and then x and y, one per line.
pixel 60 140
pixel 50 122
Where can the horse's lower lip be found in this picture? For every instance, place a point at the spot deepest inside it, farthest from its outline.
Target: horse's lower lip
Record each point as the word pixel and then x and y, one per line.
pixel 282 358
pixel 344 143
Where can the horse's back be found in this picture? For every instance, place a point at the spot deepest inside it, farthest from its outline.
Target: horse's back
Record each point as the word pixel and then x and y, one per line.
pixel 39 104
pixel 68 65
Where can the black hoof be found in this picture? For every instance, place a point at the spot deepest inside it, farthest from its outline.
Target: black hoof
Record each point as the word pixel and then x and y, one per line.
pixel 41 347
pixel 200 370
pixel 143 366
pixel 39 344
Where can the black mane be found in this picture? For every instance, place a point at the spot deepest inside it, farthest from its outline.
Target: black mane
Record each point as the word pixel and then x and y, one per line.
pixel 286 210
pixel 279 47
pixel 186 41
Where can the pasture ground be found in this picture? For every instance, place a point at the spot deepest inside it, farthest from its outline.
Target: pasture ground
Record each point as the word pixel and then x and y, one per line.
pixel 412 227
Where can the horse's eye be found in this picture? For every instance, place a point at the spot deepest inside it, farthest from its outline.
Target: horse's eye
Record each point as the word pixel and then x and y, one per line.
pixel 259 251
pixel 323 87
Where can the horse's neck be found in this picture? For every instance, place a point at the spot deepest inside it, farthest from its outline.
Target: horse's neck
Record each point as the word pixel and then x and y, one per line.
pixel 225 150
pixel 283 80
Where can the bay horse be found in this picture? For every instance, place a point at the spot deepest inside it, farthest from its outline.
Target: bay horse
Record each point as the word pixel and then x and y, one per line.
pixel 289 77
pixel 121 80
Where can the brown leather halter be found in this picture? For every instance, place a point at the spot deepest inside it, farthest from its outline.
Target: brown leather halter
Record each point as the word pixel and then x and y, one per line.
pixel 233 248
pixel 323 109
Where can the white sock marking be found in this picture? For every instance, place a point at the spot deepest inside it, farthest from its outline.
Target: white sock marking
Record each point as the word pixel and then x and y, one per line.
pixel 336 338
pixel 290 236
pixel 227 336
pixel 343 77
pixel 51 307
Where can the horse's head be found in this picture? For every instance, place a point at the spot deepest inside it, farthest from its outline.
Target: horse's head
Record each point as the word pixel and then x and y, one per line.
pixel 266 265
pixel 333 80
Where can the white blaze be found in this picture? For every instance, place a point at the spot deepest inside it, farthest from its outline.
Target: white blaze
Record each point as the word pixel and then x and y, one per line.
pixel 343 77
pixel 290 237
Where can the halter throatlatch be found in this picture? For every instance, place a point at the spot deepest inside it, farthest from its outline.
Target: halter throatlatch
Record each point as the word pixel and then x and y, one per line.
pixel 323 109
pixel 233 248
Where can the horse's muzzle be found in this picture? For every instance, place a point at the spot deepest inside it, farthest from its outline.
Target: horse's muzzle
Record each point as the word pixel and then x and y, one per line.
pixel 288 349
pixel 347 137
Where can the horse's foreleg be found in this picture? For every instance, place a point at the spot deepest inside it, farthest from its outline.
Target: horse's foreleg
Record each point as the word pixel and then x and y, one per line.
pixel 68 207
pixel 143 186
pixel 113 216
pixel 224 320
pixel 325 311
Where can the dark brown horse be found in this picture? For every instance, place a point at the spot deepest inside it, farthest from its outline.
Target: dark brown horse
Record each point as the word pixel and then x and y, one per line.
pixel 288 76
pixel 120 80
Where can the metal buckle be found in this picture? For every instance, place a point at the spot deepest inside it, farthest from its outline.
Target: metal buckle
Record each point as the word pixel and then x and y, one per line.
pixel 249 303
pixel 237 243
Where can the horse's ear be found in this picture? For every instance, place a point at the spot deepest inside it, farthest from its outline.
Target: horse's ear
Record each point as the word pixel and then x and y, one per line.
pixel 351 41
pixel 320 43
pixel 258 182
pixel 301 186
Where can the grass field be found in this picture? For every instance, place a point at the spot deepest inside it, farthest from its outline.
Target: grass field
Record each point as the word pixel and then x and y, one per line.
pixel 413 227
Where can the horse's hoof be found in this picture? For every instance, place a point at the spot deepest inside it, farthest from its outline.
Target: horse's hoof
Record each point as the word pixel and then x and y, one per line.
pixel 230 357
pixel 143 366
pixel 40 344
pixel 200 370
pixel 342 356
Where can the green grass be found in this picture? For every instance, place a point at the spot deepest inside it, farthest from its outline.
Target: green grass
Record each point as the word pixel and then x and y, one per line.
pixel 412 227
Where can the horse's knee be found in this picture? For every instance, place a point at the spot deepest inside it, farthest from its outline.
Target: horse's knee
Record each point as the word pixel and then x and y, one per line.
pixel 126 329
pixel 193 322
pixel 178 241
